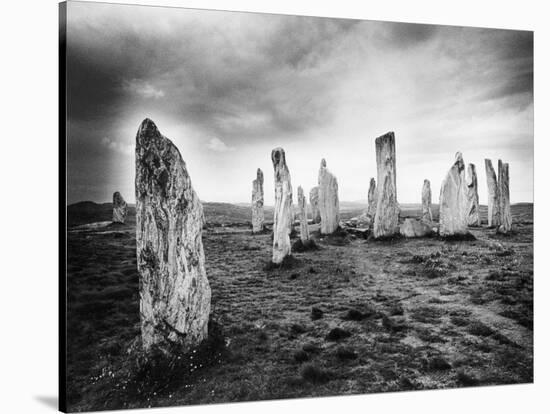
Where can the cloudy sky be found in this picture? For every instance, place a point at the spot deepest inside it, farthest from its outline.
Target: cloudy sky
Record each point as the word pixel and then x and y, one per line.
pixel 228 87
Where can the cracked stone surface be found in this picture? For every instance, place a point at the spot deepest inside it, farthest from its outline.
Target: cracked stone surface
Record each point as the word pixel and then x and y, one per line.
pixel 174 290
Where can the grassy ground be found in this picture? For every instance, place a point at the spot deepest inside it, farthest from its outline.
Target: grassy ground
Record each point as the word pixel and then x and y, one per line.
pixel 356 316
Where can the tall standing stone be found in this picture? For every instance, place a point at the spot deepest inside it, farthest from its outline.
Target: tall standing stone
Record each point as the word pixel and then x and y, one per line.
pixel 453 201
pixel 473 197
pixel 283 207
pixel 493 210
pixel 372 198
pixel 302 210
pixel 174 290
pixel 504 197
pixel 427 201
pixel 120 208
pixel 386 220
pixel 329 206
pixel 314 202
pixel 258 202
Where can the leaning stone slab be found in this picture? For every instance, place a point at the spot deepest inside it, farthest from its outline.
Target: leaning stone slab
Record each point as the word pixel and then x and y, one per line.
pixel 412 228
pixel 453 201
pixel 283 215
pixel 329 206
pixel 258 202
pixel 120 208
pixel 427 215
pixel 314 202
pixel 504 198
pixel 493 208
pixel 473 197
pixel 174 290
pixel 387 209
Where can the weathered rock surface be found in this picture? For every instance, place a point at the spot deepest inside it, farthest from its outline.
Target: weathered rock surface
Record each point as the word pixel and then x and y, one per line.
pixel 387 209
pixel 372 199
pixel 302 212
pixel 493 208
pixel 174 290
pixel 453 201
pixel 427 202
pixel 329 206
pixel 120 208
pixel 504 198
pixel 473 197
pixel 415 228
pixel 283 215
pixel 258 202
pixel 314 202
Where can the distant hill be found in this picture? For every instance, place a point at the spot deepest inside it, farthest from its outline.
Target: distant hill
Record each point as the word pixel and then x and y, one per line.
pixel 85 212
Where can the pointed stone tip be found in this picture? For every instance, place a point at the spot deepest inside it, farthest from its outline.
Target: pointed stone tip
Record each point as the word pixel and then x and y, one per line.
pixel 147 126
pixel 278 155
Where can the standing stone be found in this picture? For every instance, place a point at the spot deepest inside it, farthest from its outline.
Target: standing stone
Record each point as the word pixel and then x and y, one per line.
pixel 453 201
pixel 473 197
pixel 120 208
pixel 372 198
pixel 302 207
pixel 504 198
pixel 329 206
pixel 386 220
pixel 314 202
pixel 174 290
pixel 493 210
pixel 282 214
pixel 427 202
pixel 258 202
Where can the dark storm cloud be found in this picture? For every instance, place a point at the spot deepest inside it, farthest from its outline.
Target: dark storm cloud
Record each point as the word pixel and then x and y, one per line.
pixel 270 81
pixel 227 85
pixel 405 35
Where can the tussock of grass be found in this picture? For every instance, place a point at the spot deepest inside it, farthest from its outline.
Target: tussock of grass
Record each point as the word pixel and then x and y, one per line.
pixel 300 247
pixel 316 313
pixel 301 356
pixel 337 334
pixel 353 315
pixel 289 262
pixel 312 373
pixel 480 329
pixel 346 353
pixel 466 379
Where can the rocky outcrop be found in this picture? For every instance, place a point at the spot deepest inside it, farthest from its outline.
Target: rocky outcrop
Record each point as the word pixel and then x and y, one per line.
pixel 329 206
pixel 415 228
pixel 372 199
pixel 282 216
pixel 174 290
pixel 302 213
pixel 120 208
pixel 504 198
pixel 427 215
pixel 453 201
pixel 314 202
pixel 387 209
pixel 473 197
pixel 258 202
pixel 493 209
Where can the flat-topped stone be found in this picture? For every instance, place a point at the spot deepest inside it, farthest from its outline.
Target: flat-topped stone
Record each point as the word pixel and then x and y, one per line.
pixel 386 220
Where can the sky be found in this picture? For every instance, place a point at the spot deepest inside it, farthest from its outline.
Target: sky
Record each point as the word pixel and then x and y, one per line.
pixel 228 87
